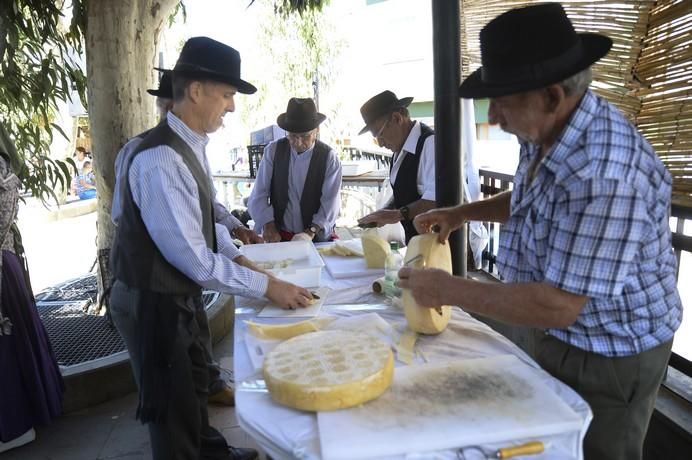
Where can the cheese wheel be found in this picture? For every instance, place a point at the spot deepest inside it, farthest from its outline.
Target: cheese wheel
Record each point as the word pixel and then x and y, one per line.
pixel 430 254
pixel 328 370
pixel 375 249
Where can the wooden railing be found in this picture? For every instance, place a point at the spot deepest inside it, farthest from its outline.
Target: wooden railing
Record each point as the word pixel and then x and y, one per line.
pixel 355 153
pixel 492 183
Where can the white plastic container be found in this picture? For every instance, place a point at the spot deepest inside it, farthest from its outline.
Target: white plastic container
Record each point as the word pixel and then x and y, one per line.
pixel 304 266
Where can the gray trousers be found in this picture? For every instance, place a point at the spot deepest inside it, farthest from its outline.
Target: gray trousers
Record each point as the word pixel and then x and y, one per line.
pixel 186 430
pixel 621 393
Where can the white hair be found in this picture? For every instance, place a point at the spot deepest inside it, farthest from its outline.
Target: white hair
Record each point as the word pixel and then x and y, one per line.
pixel 577 83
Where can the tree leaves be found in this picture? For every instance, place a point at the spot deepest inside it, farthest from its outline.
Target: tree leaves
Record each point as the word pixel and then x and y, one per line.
pixel 38 70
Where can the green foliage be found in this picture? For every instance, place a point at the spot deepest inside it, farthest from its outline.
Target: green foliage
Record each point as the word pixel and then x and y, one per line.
pixel 38 70
pixel 294 49
pixel 285 7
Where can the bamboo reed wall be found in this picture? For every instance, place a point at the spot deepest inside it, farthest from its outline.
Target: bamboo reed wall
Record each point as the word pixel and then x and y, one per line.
pixel 647 73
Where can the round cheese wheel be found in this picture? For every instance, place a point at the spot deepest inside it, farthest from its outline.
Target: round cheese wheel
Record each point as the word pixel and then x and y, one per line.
pixel 328 370
pixel 425 251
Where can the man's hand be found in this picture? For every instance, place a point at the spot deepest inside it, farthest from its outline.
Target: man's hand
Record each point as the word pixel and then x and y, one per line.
pixel 247 263
pixel 427 285
pixel 287 295
pixel 381 217
pixel 270 233
pixel 303 236
pixel 246 235
pixel 445 219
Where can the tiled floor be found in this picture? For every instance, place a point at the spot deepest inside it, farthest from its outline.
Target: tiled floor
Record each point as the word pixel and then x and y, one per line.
pixel 110 431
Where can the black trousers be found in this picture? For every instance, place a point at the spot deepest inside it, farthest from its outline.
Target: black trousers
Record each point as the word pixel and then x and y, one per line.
pixel 186 431
pixel 621 392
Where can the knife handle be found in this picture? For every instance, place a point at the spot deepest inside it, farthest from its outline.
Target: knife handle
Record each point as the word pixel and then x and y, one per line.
pixel 529 448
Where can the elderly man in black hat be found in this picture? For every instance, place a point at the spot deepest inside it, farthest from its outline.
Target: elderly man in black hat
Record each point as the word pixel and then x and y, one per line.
pixel 412 169
pixel 168 247
pixel 296 192
pixel 585 247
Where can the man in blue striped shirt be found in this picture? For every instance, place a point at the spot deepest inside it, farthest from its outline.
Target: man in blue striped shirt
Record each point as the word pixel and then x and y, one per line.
pixel 168 246
pixel 585 250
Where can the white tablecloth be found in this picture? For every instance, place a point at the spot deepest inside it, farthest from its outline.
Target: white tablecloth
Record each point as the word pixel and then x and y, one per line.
pixel 286 433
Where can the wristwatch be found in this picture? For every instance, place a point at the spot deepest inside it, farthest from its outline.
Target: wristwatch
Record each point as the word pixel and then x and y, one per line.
pixel 314 229
pixel 404 212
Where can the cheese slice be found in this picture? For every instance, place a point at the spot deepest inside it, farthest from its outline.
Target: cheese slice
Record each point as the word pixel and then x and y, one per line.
pixel 339 249
pixel 328 370
pixel 286 331
pixel 425 251
pixel 375 249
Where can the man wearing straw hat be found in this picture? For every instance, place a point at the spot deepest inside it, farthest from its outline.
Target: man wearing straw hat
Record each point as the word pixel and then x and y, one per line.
pixel 168 247
pixel 296 193
pixel 585 248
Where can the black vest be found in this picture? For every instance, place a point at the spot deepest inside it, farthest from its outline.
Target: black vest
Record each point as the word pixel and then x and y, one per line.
pixel 311 198
pixel 405 187
pixel 136 261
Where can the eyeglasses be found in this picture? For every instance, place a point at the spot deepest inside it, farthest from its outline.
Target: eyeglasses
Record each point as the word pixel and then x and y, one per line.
pixel 379 133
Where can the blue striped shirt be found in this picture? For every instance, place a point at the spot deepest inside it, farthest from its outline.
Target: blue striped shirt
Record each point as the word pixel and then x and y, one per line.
pixel 594 222
pixel 165 191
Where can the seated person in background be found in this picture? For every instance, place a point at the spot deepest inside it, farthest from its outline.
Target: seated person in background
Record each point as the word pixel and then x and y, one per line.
pixel 86 182
pixel 298 180
pixel 79 157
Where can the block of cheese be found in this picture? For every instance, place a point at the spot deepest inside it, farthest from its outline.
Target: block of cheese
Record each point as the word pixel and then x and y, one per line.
pixel 328 370
pixel 286 331
pixel 375 249
pixel 339 249
pixel 425 251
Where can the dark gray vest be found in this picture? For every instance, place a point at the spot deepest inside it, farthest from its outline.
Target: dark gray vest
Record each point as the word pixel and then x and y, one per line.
pixel 312 190
pixel 404 188
pixel 136 260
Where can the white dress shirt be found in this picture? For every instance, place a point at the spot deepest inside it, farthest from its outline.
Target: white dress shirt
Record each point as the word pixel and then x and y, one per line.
pixel 166 194
pixel 425 182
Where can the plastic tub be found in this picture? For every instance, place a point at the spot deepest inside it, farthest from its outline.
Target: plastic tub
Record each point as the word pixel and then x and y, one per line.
pixel 297 262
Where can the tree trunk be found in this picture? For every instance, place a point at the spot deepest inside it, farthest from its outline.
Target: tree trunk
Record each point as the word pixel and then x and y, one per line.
pixel 121 42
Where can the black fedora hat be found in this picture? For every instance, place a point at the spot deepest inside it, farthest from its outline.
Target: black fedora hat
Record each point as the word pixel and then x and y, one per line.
pixel 380 105
pixel 301 116
pixel 165 89
pixel 529 48
pixel 204 58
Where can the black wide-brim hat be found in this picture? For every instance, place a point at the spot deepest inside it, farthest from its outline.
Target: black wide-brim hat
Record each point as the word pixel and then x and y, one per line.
pixel 207 59
pixel 380 105
pixel 301 116
pixel 530 48
pixel 165 89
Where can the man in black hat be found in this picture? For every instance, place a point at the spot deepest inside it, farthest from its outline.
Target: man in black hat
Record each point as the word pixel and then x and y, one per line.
pixel 168 248
pixel 220 391
pixel 164 103
pixel 296 192
pixel 412 169
pixel 585 247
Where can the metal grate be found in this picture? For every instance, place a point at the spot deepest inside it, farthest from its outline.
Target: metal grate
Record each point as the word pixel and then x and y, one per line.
pixel 77 336
pixel 84 288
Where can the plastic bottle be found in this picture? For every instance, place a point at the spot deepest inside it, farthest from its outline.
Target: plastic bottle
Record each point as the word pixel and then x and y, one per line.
pixel 392 264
